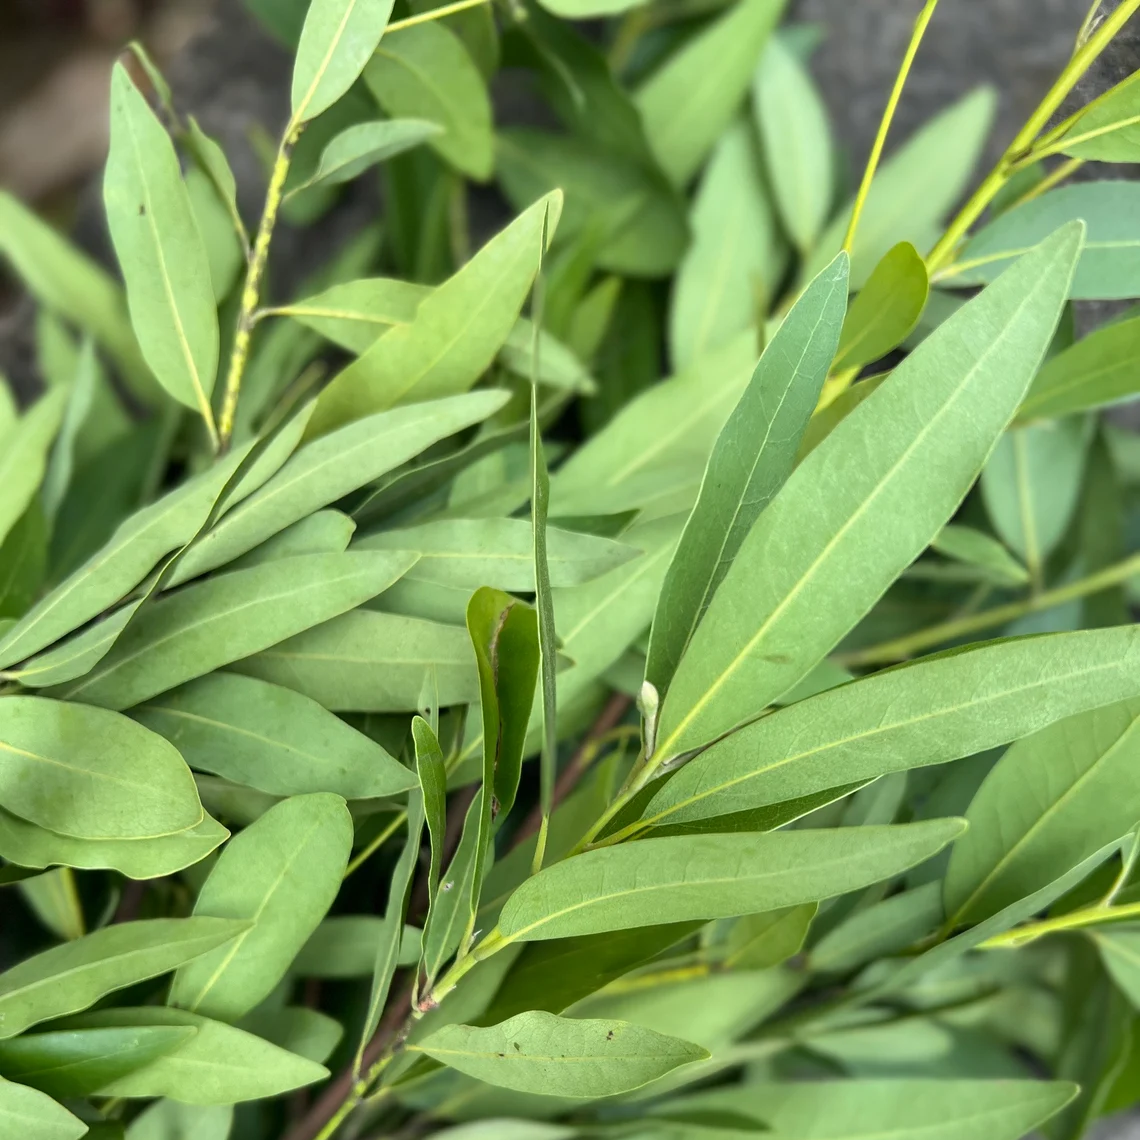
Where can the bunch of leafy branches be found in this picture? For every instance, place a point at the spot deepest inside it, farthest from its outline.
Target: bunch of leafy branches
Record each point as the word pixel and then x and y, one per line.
pixel 288 596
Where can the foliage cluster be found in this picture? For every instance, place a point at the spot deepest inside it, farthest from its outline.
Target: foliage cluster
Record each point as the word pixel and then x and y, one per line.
pixel 359 776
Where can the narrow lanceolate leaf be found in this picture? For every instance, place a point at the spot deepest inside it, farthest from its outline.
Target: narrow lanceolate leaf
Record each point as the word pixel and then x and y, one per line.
pixel 1051 801
pixel 754 454
pixel 160 251
pixel 688 102
pixel 980 552
pixel 433 788
pixel 337 40
pixel 90 773
pixel 210 624
pixel 1119 946
pixel 23 456
pixel 354 150
pixel 31 1115
pixel 324 532
pixel 684 878
pixel 538 1052
pixel 167 1118
pixel 77 655
pixel 366 661
pixel 77 974
pixel 282 874
pixel 78 1063
pixel 1109 268
pixel 327 469
pixel 454 909
pixel 344 946
pixel 27 845
pixel 1109 128
pixel 133 551
pixel 426 72
pixel 456 332
pixel 886 310
pixel 219 1065
pixel 504 633
pixel 949 706
pixel 271 739
pixel 736 256
pixel 1096 372
pixel 868 1110
pixel 498 552
pixel 807 572
pixel 797 141
pixel 387 955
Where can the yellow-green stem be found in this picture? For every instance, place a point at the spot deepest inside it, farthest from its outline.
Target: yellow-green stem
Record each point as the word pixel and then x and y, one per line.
pixel 433 14
pixel 1054 178
pixel 1076 920
pixel 988 190
pixel 377 843
pixel 251 293
pixel 901 648
pixel 920 26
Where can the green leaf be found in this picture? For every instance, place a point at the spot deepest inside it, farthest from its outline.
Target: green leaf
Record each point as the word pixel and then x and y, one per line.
pixel 23 562
pixel 79 1062
pixel 798 150
pixel 31 846
pixel 298 1029
pixel 56 903
pixel 761 941
pixel 365 145
pixel 656 448
pixel 271 739
pixel 883 929
pixel 69 283
pixel 169 1120
pixel 282 873
pixel 337 41
pixel 1032 484
pixel 914 189
pixel 433 790
pixel 213 623
pixel 1108 130
pixel 211 160
pixel 886 310
pixel 805 576
pixel 90 773
pixel 538 1052
pixel 455 335
pixel 497 552
pixel 1052 800
pixel 588 9
pixel 327 469
pixel 77 974
pixel 752 458
pixel 687 103
pixel 1108 266
pixel 24 456
pixel 134 549
pixel 160 251
pixel 454 909
pixel 220 1065
pixel 87 379
pixel 355 314
pixel 371 662
pixel 33 1116
pixel 735 261
pixel 345 947
pixel 1119 947
pixel 624 212
pixel 943 708
pixel 324 532
pixel 220 240
pixel 426 72
pixel 1096 372
pixel 918 1109
pixel 976 549
pixel 504 633
pixel 685 878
